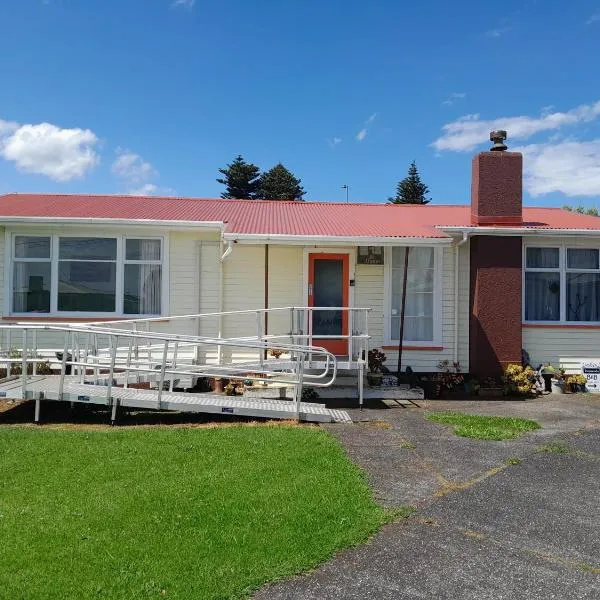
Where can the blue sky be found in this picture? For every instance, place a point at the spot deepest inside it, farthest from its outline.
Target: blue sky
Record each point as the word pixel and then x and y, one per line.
pixel 111 96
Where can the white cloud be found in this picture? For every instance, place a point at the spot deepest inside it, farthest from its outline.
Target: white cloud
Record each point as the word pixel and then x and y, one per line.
pixel 150 189
pixel 334 141
pixel 595 18
pixel 449 101
pixel 132 168
pixel 7 127
pixel 496 33
pixel 45 149
pixel 469 131
pixel 569 167
pixel 362 134
pixel 184 3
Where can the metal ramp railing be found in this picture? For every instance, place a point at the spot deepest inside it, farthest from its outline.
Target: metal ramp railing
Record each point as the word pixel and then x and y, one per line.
pixel 290 325
pixel 101 363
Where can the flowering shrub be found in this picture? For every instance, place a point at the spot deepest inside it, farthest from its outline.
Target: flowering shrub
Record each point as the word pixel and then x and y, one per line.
pixel 376 359
pixel 519 380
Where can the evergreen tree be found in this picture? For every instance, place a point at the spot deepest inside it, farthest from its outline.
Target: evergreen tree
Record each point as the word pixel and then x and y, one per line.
pixel 411 190
pixel 280 184
pixel 592 212
pixel 241 179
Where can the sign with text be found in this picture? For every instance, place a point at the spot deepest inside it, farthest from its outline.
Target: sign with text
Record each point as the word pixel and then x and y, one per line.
pixel 370 255
pixel 591 370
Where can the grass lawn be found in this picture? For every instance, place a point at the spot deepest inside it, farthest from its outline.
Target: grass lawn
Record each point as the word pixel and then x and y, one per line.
pixel 482 427
pixel 172 513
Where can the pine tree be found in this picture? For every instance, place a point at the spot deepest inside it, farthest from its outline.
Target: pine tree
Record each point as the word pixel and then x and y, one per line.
pixel 592 212
pixel 241 179
pixel 279 183
pixel 411 190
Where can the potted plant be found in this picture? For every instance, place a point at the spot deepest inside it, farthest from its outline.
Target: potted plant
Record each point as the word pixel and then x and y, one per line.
pixel 490 388
pixel 451 379
pixel 575 383
pixel 548 372
pixel 376 358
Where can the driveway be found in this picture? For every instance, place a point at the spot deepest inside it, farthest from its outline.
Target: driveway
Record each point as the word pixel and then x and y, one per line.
pixel 484 527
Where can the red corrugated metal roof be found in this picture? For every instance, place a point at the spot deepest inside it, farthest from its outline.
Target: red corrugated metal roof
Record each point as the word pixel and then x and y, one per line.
pixel 277 217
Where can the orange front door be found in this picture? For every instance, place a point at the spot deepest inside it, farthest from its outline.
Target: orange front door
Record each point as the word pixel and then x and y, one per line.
pixel 328 286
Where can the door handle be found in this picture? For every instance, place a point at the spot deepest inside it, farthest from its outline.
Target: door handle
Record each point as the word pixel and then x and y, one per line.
pixel 310 289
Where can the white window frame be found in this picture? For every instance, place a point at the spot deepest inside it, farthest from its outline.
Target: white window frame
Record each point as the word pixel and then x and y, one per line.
pixel 562 270
pixel 54 261
pixel 438 262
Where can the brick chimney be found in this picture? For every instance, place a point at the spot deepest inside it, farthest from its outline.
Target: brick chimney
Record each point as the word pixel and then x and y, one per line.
pixel 497 185
pixel 495 335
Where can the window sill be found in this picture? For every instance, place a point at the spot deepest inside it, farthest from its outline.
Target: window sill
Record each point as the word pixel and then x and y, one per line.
pixel 72 319
pixel 415 348
pixel 575 325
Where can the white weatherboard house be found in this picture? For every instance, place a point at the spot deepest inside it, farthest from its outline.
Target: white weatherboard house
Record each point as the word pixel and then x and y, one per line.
pixel 484 280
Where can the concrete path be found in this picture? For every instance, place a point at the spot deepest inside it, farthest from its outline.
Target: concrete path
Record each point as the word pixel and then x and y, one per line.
pixel 483 528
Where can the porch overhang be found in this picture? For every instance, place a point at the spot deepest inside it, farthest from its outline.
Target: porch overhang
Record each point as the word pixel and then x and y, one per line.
pixel 457 230
pixel 315 240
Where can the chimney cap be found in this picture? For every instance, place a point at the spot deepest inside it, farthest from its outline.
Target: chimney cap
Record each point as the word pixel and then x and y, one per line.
pixel 498 136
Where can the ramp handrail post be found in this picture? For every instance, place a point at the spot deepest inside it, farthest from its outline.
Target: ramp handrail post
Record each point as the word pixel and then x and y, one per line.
pixel 149 345
pixel 310 314
pixel 63 367
pixel 292 325
pixel 114 342
pixel 161 382
pixel 259 338
pixel 351 332
pixel 174 365
pixel 136 352
pixel 299 378
pixel 9 343
pixel 88 338
pixel 34 354
pixel 128 363
pixel 97 359
pixel 24 364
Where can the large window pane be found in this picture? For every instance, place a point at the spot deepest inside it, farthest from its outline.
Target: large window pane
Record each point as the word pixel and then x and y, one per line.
pixel 80 248
pixel 542 296
pixel 582 258
pixel 87 286
pixel 418 258
pixel 543 258
pixel 583 296
pixel 142 289
pixel 416 329
pixel 31 287
pixel 142 249
pixel 419 305
pixel 418 324
pixel 32 247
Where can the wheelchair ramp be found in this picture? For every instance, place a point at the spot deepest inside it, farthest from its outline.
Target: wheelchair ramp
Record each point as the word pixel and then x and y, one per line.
pixel 48 388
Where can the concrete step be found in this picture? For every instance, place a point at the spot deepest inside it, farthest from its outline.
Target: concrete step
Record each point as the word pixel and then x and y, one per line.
pixel 372 393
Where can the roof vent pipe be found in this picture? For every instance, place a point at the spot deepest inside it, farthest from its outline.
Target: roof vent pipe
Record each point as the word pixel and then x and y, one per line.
pixel 498 136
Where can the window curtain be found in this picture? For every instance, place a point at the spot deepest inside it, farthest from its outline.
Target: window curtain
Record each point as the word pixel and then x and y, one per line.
pixel 149 280
pixel 542 296
pixel 418 321
pixel 583 296
pixel 20 287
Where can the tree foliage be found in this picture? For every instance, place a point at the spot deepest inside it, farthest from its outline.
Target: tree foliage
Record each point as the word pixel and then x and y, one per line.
pixel 278 183
pixel 593 211
pixel 411 190
pixel 241 179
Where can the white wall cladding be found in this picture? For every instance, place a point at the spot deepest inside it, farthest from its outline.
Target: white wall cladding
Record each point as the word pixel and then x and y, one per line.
pixel 194 287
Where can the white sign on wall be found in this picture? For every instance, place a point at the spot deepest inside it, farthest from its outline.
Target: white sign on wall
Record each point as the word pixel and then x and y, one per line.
pixel 591 370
